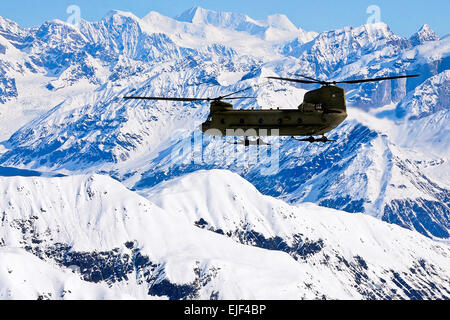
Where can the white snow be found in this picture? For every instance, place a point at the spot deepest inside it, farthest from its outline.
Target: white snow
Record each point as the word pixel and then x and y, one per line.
pixel 187 56
pixel 97 213
pixel 24 276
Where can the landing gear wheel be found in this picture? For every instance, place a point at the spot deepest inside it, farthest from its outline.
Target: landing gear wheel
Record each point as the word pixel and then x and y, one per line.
pixel 247 143
pixel 323 139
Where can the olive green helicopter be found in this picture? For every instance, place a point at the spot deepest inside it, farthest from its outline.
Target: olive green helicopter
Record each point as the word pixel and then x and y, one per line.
pixel 322 110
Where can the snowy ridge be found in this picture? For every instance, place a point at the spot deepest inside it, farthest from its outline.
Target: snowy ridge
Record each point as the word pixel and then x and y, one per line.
pixel 141 241
pixel 97 227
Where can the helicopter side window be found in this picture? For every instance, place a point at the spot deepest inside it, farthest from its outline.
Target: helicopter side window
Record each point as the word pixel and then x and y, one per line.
pixel 242 121
pixel 299 121
pixel 222 121
pixel 261 121
pixel 280 121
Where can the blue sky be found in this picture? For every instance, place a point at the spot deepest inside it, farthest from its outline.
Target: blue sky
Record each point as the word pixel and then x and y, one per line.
pixel 403 16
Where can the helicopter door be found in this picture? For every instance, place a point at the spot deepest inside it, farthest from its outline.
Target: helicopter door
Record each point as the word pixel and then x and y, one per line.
pixel 307 107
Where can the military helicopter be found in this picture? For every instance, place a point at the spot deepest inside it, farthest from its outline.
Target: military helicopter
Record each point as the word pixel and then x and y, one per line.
pixel 321 111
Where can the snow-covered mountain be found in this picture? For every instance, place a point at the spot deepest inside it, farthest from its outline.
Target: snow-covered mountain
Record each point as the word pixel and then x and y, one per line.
pixel 431 97
pixel 109 236
pixel 423 35
pixel 370 51
pixel 195 53
pixel 62 113
pixel 274 27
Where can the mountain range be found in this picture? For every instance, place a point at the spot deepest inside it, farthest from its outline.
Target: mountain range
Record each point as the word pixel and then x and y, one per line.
pixel 84 170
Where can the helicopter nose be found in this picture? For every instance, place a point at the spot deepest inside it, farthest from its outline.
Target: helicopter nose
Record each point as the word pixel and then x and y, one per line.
pixel 205 126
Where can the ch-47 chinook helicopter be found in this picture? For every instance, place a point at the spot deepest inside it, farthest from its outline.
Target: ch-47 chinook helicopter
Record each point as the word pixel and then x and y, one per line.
pixel 321 111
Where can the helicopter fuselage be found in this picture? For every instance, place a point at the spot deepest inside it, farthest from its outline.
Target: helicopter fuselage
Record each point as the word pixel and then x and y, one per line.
pixel 321 111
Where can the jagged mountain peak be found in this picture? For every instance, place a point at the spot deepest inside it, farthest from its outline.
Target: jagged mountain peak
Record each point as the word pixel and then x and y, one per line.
pixel 121 19
pixel 60 23
pixel 59 33
pixel 374 31
pixel 119 13
pixel 281 21
pixel 353 38
pixel 154 14
pixel 199 15
pixel 331 50
pixel 425 28
pixel 57 29
pixel 118 24
pixel 424 34
pixel 237 21
pixel 189 14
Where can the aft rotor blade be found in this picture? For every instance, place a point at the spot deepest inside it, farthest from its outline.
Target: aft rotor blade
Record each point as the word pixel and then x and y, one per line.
pixel 168 99
pixel 295 80
pixel 238 98
pixel 376 79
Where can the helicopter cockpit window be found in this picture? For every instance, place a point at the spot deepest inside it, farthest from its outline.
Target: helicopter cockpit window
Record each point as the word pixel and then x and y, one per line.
pixel 209 118
pixel 319 107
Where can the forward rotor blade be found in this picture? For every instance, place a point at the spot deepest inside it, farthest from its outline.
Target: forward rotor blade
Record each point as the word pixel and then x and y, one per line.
pixel 185 99
pixel 300 75
pixel 232 94
pixel 376 79
pixel 295 80
pixel 168 99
